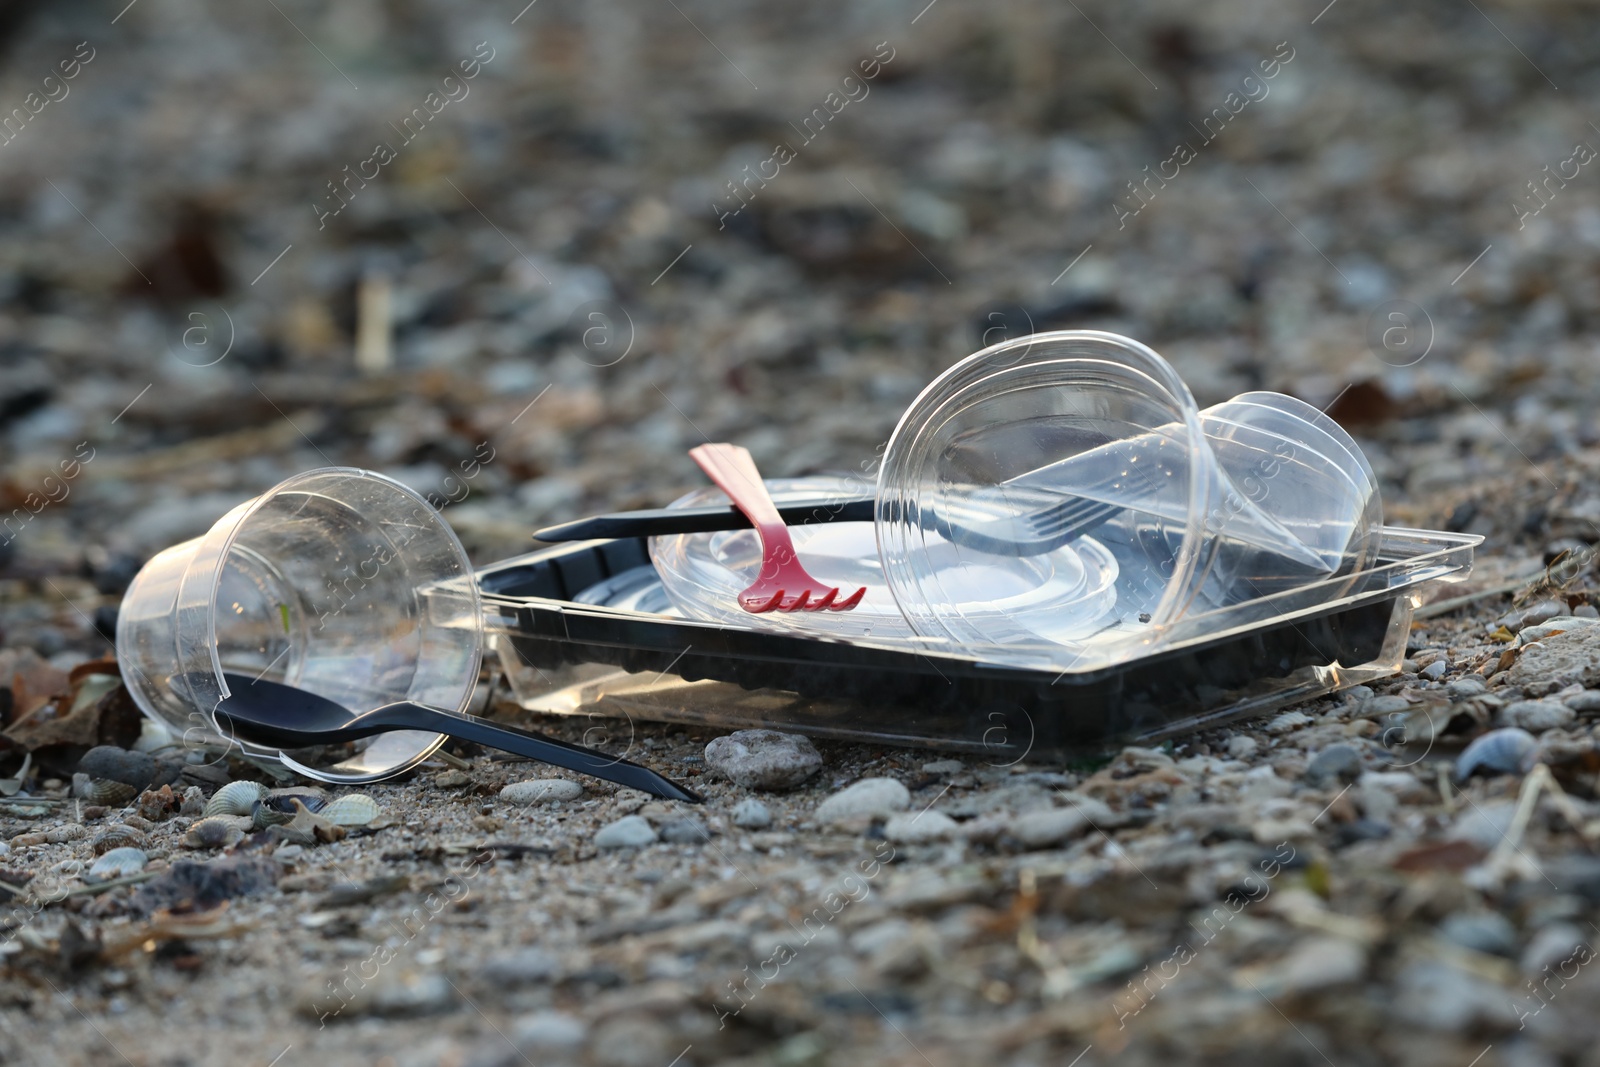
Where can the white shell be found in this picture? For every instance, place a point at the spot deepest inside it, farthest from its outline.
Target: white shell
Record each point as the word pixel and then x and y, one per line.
pixel 118 863
pixel 354 809
pixel 234 798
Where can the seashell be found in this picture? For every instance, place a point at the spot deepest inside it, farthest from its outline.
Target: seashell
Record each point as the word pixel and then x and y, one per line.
pixel 219 831
pixel 194 802
pixel 1512 750
pixel 117 863
pixel 355 809
pixel 105 791
pixel 70 832
pixel 114 837
pixel 307 827
pixel 235 798
pixel 278 806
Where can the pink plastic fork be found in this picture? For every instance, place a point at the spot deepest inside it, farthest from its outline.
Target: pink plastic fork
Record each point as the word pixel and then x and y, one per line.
pixel 735 473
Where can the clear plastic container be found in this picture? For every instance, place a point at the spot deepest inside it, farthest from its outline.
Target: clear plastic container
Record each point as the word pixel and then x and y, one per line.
pixel 1198 511
pixel 339 581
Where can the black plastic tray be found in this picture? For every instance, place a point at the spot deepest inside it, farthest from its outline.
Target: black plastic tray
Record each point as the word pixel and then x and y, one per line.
pixel 937 699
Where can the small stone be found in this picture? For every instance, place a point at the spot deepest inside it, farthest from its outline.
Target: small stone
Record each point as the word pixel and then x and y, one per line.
pixel 541 790
pixel 919 829
pixel 1388 704
pixel 1558 661
pixel 1288 721
pixel 1484 825
pixel 1357 694
pixel 1537 716
pixel 1586 611
pixel 630 831
pixel 868 797
pixel 548 1030
pixel 1435 670
pixel 452 779
pixel 1560 624
pixel 1319 963
pixel 1465 688
pixel 685 830
pixel 1585 703
pixel 763 759
pixel 944 767
pixel 1558 947
pixel 751 814
pixel 1543 611
pixel 287 854
pixel 1336 763
pixel 522 967
pixel 1242 746
pixel 1051 826
pixel 1488 932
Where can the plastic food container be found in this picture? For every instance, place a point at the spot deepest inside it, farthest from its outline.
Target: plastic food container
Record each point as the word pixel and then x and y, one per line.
pixel 586 629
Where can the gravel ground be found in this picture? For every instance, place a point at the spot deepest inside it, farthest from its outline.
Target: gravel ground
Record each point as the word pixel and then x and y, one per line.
pixel 214 278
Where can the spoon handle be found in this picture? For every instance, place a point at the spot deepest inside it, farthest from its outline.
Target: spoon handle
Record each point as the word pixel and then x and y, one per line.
pixel 536 746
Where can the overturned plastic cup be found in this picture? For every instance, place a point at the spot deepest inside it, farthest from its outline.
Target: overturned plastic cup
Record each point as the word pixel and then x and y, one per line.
pixel 1061 494
pixel 339 581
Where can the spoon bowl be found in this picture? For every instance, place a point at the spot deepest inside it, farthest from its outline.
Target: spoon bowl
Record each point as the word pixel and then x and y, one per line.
pixel 283 716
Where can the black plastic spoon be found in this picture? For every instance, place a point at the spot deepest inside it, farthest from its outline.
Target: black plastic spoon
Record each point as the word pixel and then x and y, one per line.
pixel 283 716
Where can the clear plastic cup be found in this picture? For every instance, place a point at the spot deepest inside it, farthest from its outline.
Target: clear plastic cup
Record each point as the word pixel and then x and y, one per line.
pixel 339 581
pixel 1192 510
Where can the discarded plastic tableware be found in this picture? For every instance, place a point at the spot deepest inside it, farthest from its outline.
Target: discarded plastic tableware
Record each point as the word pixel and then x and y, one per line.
pixel 339 581
pixel 783 583
pixel 1244 500
pixel 276 715
pixel 1064 490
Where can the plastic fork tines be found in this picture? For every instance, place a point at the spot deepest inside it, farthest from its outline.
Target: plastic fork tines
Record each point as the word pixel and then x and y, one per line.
pixel 783 584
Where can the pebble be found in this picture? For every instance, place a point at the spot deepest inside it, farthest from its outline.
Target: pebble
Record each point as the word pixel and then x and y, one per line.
pixel 1488 932
pixel 1553 946
pixel 685 830
pixel 548 1030
pixel 1435 670
pixel 763 759
pixel 541 790
pixel 1288 721
pixel 1336 763
pixel 1484 824
pixel 1537 716
pixel 1242 746
pixel 1585 703
pixel 1464 688
pixel 1551 665
pixel 1052 826
pixel 523 967
pixel 944 767
pixel 1388 704
pixel 630 831
pixel 920 828
pixel 1319 963
pixel 1507 751
pixel 1586 611
pixel 868 797
pixel 1560 624
pixel 135 768
pixel 751 814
